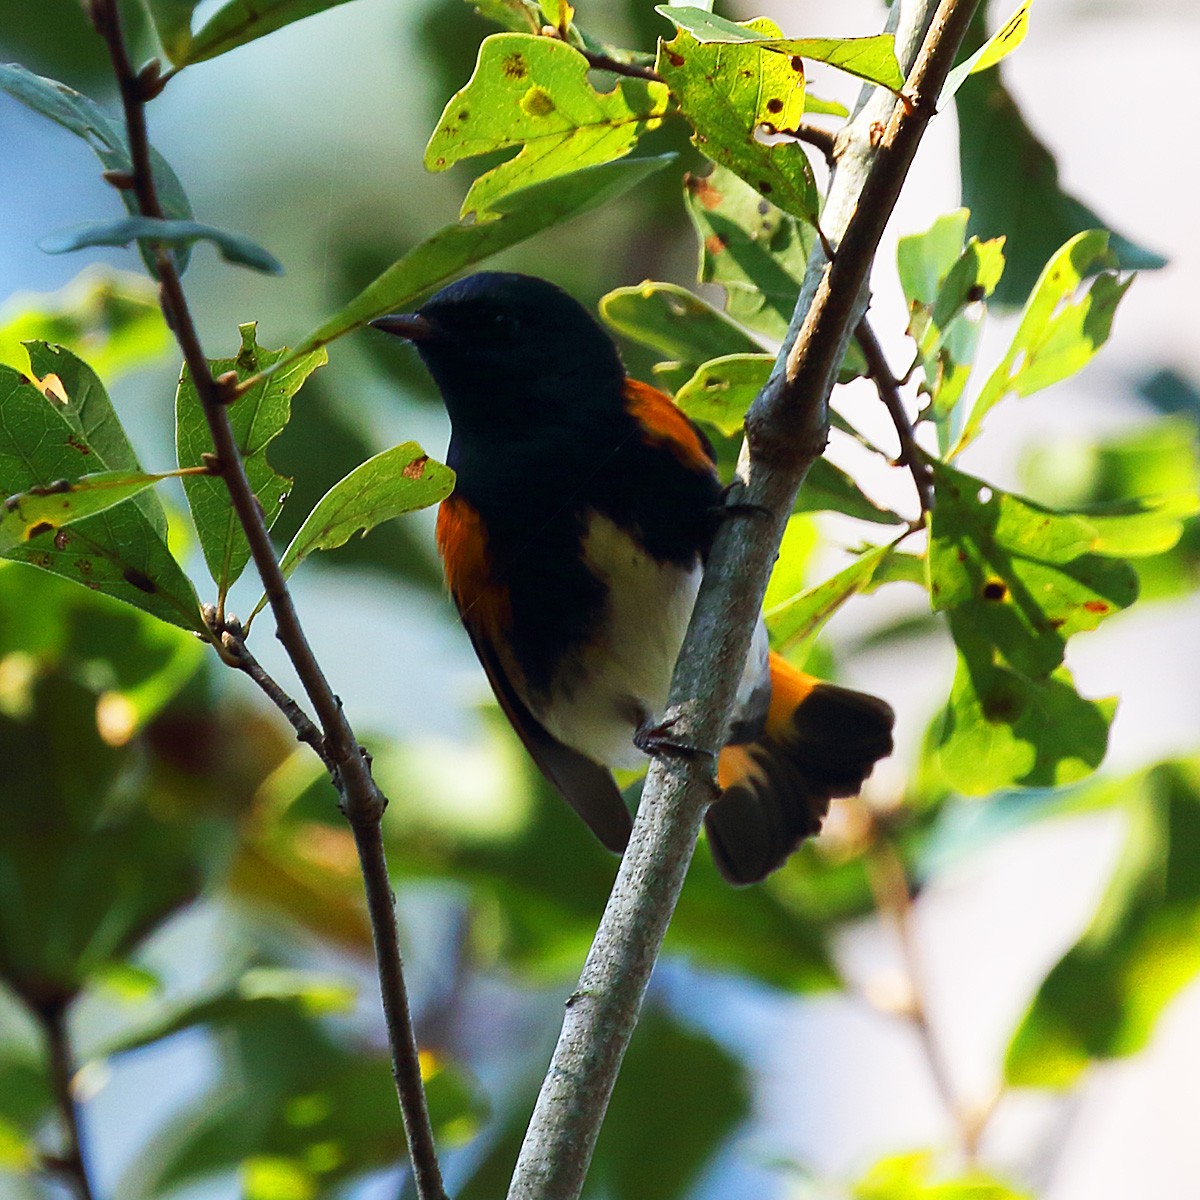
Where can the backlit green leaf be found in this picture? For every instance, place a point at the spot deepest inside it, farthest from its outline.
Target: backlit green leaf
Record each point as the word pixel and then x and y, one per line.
pixel 398 481
pixel 1017 581
pixel 237 22
pixel 869 58
pixel 721 390
pixel 149 232
pixel 119 551
pixel 533 92
pixel 257 417
pixel 727 90
pixel 914 1176
pixel 85 118
pixel 453 248
pixel 110 317
pixel 518 16
pixel 1058 335
pixel 1000 45
pixel 1104 997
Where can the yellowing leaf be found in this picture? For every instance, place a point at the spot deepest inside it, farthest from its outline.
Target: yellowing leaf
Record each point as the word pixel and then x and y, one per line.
pixel 533 92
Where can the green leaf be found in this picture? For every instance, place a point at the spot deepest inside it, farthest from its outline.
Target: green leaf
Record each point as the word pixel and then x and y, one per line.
pixel 827 488
pixel 1057 336
pixel 453 248
pixel 533 92
pixel 721 390
pixel 398 481
pixel 111 316
pixel 149 232
pixel 173 23
pixel 1103 999
pixel 1010 184
pixel 794 623
pixel 1018 580
pixel 234 24
pixel 119 552
pixel 755 251
pixel 43 509
pixel 869 58
pixel 85 118
pixel 943 281
pixel 1000 45
pixel 912 1177
pixel 518 16
pixel 257 417
pixel 83 401
pixel 727 90
pixel 674 323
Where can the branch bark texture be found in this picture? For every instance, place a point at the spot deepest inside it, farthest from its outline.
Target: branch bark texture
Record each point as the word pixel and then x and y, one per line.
pixel 786 430
pixel 349 766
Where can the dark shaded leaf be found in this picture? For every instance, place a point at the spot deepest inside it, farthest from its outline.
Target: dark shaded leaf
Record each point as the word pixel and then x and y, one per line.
pixel 149 232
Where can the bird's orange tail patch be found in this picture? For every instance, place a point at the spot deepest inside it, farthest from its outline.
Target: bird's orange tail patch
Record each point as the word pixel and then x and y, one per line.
pixel 819 741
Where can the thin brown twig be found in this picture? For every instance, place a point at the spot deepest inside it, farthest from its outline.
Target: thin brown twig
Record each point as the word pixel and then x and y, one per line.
pixel 888 386
pixel 69 1164
pixel 362 801
pixel 603 62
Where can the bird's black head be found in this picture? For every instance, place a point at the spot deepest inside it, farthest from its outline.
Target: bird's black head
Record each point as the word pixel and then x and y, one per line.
pixel 511 352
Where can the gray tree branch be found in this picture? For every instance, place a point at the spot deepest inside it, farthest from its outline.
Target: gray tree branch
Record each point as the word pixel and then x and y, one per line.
pixel 786 430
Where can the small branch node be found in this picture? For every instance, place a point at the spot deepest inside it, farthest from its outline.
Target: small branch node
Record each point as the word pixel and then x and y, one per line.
pixel 212 463
pixel 123 181
pixel 226 387
pixel 150 80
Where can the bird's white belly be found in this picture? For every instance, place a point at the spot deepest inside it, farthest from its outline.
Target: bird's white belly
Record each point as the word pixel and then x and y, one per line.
pixel 621 680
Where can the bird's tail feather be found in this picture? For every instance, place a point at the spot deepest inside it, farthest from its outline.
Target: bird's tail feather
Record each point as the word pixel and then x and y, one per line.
pixel 819 741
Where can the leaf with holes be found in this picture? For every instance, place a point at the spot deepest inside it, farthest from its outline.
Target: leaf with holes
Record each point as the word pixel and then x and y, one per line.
pixel 1058 335
pixel 1103 999
pixel 119 551
pixel 150 232
pixel 257 417
pixel 945 283
pixel 870 58
pixel 728 91
pixel 85 118
pixel 533 92
pixel 1017 580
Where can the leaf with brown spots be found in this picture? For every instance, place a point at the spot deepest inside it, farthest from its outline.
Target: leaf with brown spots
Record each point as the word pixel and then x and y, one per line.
pixel 398 481
pixel 727 90
pixel 42 443
pixel 533 92
pixel 1016 581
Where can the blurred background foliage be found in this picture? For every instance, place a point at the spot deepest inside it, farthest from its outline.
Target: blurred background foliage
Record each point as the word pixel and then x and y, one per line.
pixel 176 883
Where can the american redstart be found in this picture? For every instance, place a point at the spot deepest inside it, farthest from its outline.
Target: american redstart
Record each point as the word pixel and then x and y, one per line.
pixel 573 545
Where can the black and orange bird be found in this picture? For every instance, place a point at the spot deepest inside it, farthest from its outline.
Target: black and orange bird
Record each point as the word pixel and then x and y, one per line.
pixel 573 545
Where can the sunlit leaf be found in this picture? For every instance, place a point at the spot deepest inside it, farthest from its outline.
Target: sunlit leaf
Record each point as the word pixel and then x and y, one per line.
pixel 43 509
pixel 120 551
pixel 518 16
pixel 85 118
pixel 150 232
pixel 533 92
pixel 914 1176
pixel 443 255
pixel 1000 45
pixel 257 417
pixel 1010 184
pixel 1104 997
pixel 111 318
pixel 398 481
pixel 237 22
pixel 727 90
pixel 756 252
pixel 722 389
pixel 869 58
pixel 1017 581
pixel 1058 334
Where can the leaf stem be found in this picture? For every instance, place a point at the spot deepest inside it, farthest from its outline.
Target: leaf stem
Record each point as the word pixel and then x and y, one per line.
pixel 349 765
pixel 888 386
pixel 69 1164
pixel 787 428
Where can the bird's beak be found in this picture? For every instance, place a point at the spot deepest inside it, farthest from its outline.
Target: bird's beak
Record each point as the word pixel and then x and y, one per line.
pixel 411 326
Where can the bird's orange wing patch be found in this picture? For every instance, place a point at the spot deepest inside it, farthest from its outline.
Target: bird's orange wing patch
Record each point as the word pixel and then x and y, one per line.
pixel 666 425
pixel 462 544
